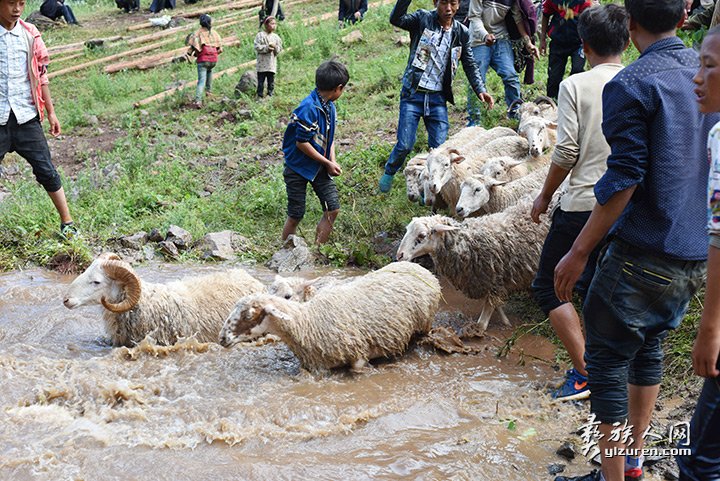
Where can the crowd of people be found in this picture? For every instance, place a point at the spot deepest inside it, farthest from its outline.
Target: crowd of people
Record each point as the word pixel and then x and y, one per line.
pixel 630 233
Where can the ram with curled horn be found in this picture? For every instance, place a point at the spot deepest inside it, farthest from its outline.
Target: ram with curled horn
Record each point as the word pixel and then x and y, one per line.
pixel 134 309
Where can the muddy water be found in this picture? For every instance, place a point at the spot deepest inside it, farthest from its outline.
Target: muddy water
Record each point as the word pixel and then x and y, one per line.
pixel 72 408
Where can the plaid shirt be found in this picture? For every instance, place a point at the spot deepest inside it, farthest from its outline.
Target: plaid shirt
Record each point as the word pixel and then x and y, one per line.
pixel 15 87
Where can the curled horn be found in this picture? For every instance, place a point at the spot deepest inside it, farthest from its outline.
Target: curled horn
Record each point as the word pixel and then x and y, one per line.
pixel 121 272
pixel 542 99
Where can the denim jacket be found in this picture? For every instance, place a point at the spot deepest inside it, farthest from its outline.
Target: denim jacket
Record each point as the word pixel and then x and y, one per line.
pixel 416 23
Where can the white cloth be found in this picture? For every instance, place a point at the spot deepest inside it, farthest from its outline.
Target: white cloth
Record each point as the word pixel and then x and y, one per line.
pixel 15 87
pixel 438 49
pixel 714 186
pixel 581 146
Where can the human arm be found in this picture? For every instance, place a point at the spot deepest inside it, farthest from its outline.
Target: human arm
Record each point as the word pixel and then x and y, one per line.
pixel 363 8
pixel 331 166
pixel 478 32
pixel 55 129
pixel 401 19
pixel 278 44
pixel 556 176
pixel 707 342
pixel 543 32
pixel 261 43
pixel 524 34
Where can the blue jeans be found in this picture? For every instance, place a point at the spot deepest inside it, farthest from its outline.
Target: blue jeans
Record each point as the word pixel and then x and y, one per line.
pixel 565 228
pixel 703 463
pixel 500 57
pixel 204 79
pixel 68 14
pixel 432 108
pixel 634 299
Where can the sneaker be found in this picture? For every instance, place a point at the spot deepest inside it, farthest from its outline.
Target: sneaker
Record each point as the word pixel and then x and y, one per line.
pixel 68 230
pixel 594 476
pixel 575 387
pixel 385 183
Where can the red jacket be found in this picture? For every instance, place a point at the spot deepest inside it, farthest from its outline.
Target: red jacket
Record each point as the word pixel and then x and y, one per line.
pixel 38 61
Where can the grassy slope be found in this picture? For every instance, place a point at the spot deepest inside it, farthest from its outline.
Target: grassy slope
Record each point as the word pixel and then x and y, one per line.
pixel 171 153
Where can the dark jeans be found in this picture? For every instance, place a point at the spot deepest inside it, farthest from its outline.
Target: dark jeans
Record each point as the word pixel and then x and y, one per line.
pixel 68 14
pixel 557 59
pixel 28 140
pixel 565 228
pixel 296 188
pixel 634 299
pixel 703 463
pixel 262 77
pixel 432 108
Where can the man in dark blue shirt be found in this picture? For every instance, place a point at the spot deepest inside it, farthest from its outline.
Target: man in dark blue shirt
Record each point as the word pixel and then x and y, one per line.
pixel 652 201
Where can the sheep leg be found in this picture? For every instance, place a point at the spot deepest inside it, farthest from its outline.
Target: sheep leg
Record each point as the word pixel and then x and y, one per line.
pixel 484 318
pixel 358 365
pixel 503 318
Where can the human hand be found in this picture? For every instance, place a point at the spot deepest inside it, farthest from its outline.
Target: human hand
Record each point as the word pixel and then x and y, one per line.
pixel 543 46
pixel 540 206
pixel 489 39
pixel 55 129
pixel 333 168
pixel 357 15
pixel 532 49
pixel 705 352
pixel 487 98
pixel 567 273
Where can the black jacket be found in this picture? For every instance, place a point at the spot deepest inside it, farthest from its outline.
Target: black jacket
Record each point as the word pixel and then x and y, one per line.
pixel 416 23
pixel 347 9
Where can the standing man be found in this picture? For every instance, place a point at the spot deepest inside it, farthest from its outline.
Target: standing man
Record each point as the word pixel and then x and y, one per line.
pixel 437 43
pixel 652 200
pixel 491 47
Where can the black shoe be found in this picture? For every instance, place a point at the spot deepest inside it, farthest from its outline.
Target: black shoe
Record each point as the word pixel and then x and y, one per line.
pixel 594 476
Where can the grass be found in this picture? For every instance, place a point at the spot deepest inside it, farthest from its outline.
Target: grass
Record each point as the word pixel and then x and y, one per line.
pixel 160 172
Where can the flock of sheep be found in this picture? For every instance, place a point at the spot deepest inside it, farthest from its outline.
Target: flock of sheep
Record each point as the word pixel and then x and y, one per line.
pixel 487 179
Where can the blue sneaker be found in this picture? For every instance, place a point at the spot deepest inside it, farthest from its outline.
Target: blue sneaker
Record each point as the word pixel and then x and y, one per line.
pixel 385 183
pixel 575 387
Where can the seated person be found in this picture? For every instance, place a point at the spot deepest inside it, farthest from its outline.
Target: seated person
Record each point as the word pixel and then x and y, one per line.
pixel 128 5
pixel 54 9
pixel 158 5
pixel 352 10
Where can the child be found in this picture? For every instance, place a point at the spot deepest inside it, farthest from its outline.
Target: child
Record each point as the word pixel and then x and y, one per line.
pixel 268 45
pixel 559 20
pixel 310 151
pixel 580 154
pixel 206 44
pixel 22 99
pixel 704 436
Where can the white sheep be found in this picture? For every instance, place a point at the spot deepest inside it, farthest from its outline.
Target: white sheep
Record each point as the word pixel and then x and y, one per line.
pixel 505 168
pixel 298 288
pixel 135 308
pixel 372 316
pixel 413 172
pixel 542 106
pixel 538 121
pixel 480 194
pixel 487 258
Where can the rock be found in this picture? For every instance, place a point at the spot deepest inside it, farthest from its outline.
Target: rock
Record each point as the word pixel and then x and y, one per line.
pixel 555 468
pixel 401 40
pixel 148 252
pixel 353 37
pixel 135 241
pixel 169 250
pixel 567 451
pixel 294 256
pixel 245 114
pixel 92 120
pixel 94 43
pixel 217 245
pixel 155 236
pixel 179 236
pixel 42 22
pixel 247 84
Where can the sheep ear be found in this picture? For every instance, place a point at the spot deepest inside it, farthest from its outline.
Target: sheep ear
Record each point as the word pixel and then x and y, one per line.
pixel 456 158
pixel 308 291
pixel 513 162
pixel 493 182
pixel 551 125
pixel 441 228
pixel 277 313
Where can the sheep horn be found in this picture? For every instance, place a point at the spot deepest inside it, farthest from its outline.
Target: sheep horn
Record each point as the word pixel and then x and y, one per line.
pixel 542 99
pixel 109 256
pixel 515 103
pixel 122 273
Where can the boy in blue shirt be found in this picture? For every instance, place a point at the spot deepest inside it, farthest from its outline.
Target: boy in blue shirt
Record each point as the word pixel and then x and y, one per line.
pixel 310 151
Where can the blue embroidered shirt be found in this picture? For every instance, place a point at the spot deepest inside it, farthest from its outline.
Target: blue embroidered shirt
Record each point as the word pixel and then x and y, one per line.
pixel 657 139
pixel 312 121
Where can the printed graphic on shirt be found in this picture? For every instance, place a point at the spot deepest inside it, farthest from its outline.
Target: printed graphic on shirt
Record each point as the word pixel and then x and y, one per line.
pixel 425 48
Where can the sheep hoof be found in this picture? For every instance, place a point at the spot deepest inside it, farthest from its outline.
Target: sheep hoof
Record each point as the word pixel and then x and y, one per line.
pixel 359 365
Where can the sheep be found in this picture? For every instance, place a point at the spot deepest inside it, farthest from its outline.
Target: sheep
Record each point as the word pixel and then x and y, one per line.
pixel 135 308
pixel 538 121
pixel 487 258
pixel 479 193
pixel 297 288
pixel 542 106
pixel 372 316
pixel 412 172
pixel 504 168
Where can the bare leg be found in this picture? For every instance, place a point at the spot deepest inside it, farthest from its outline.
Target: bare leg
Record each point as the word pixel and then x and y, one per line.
pixel 613 468
pixel 566 323
pixel 290 227
pixel 58 199
pixel 641 405
pixel 324 227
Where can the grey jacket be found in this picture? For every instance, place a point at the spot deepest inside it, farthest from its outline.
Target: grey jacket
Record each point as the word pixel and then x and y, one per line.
pixel 416 23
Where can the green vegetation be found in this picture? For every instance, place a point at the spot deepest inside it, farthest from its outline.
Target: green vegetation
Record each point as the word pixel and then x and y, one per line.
pixel 221 167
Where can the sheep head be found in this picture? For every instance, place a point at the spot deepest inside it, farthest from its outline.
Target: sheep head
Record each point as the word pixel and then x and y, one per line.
pixel 420 238
pixel 413 183
pixel 252 317
pixel 293 288
pixel 535 130
pixel 439 166
pixel 106 277
pixel 498 167
pixel 474 194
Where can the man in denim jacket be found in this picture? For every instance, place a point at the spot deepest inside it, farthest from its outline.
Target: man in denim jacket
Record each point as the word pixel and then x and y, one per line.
pixel 437 43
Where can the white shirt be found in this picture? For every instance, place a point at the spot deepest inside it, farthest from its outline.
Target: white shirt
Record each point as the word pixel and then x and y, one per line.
pixel 15 87
pixel 714 186
pixel 439 47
